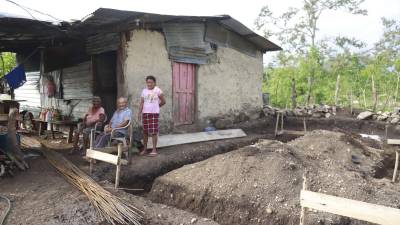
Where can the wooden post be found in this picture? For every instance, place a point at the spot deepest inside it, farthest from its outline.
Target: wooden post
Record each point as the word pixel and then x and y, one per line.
pixel 91 147
pixel 294 94
pixel 374 93
pixel 277 123
pixel 304 124
pixel 303 209
pixel 282 122
pixel 337 89
pixel 386 131
pixel 396 166
pixel 117 174
pixel 397 90
pixel 351 100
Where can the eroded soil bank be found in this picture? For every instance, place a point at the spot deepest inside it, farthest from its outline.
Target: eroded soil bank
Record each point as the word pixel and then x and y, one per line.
pixel 260 183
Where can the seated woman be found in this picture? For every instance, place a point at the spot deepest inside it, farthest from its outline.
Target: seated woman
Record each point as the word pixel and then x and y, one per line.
pixel 121 118
pixel 95 115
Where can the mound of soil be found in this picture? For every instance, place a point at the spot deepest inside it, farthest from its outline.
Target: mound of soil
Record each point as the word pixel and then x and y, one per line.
pixel 261 183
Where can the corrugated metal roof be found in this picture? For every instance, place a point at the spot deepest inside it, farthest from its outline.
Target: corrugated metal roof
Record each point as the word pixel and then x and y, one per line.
pixel 104 18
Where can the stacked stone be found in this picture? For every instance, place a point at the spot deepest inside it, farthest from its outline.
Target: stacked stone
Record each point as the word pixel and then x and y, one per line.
pixel 316 111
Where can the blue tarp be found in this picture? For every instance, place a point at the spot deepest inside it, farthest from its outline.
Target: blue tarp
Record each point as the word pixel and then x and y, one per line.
pixel 16 78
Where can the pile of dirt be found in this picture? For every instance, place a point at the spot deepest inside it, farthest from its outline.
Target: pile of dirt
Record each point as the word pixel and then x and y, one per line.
pixel 261 183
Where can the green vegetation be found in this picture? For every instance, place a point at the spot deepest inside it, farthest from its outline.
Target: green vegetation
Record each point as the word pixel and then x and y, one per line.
pixel 336 71
pixel 7 62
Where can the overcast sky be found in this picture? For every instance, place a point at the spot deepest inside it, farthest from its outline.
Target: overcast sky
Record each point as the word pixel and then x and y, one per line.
pixel 366 28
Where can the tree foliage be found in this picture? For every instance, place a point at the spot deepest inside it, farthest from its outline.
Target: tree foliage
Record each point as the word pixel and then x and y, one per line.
pixel 7 62
pixel 360 73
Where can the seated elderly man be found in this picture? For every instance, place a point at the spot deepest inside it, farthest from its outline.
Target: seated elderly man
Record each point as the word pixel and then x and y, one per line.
pixel 120 118
pixel 94 115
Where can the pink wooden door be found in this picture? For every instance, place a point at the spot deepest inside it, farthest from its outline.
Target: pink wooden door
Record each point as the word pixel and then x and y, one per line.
pixel 184 92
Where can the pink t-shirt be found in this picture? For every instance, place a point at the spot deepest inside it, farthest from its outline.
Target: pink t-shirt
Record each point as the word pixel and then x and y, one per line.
pixel 93 116
pixel 151 100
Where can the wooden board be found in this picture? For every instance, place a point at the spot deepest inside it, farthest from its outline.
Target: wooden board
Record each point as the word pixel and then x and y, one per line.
pixel 393 141
pixel 105 157
pixel 346 207
pixel 177 139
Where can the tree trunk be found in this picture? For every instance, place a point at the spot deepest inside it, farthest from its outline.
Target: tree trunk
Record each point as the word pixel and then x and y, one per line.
pixel 374 93
pixel 351 100
pixel 310 81
pixel 365 101
pixel 397 91
pixel 276 92
pixel 337 89
pixel 294 94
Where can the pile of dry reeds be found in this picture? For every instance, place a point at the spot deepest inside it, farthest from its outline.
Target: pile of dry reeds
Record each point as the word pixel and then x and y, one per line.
pixel 109 207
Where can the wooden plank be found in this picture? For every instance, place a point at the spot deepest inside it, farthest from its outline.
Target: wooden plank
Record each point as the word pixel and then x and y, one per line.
pixel 177 139
pixel 105 157
pixel 346 207
pixel 393 141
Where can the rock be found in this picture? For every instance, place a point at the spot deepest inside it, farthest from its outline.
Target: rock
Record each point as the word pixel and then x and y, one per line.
pixel 394 120
pixel 382 117
pixel 365 115
pixel 327 115
pixel 194 220
pixel 269 211
pixel 224 123
pixel 317 114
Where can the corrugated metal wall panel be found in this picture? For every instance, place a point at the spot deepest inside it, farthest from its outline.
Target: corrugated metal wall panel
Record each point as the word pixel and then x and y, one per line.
pixel 29 92
pixel 77 81
pixel 185 42
pixel 102 43
pixel 77 84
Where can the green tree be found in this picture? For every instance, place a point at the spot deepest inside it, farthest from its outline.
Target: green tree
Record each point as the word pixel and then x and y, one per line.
pixel 7 62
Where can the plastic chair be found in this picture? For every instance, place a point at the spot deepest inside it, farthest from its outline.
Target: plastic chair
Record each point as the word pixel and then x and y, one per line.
pixel 126 141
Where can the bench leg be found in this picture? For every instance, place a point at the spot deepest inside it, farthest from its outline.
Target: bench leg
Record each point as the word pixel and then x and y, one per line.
pixel 396 167
pixel 118 171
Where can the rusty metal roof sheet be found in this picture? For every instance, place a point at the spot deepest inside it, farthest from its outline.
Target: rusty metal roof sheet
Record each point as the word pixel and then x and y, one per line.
pixel 104 17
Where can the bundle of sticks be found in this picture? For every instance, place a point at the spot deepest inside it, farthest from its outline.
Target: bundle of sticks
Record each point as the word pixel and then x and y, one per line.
pixel 109 207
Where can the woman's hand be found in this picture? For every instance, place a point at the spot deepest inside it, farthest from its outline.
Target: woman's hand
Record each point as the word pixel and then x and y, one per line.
pixel 139 117
pixel 107 129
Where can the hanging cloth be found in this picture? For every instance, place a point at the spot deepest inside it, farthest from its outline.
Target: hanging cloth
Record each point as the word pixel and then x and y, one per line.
pixel 16 78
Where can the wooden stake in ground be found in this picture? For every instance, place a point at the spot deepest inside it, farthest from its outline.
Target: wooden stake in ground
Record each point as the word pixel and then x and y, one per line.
pixel 294 94
pixel 374 93
pixel 337 89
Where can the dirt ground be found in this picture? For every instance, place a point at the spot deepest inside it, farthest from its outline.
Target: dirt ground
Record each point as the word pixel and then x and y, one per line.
pixel 260 183
pixel 269 173
pixel 42 196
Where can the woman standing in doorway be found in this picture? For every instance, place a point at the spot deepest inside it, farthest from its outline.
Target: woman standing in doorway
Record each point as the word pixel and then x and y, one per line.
pixel 152 99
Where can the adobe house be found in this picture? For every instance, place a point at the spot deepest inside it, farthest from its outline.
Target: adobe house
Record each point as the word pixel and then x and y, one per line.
pixel 207 66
